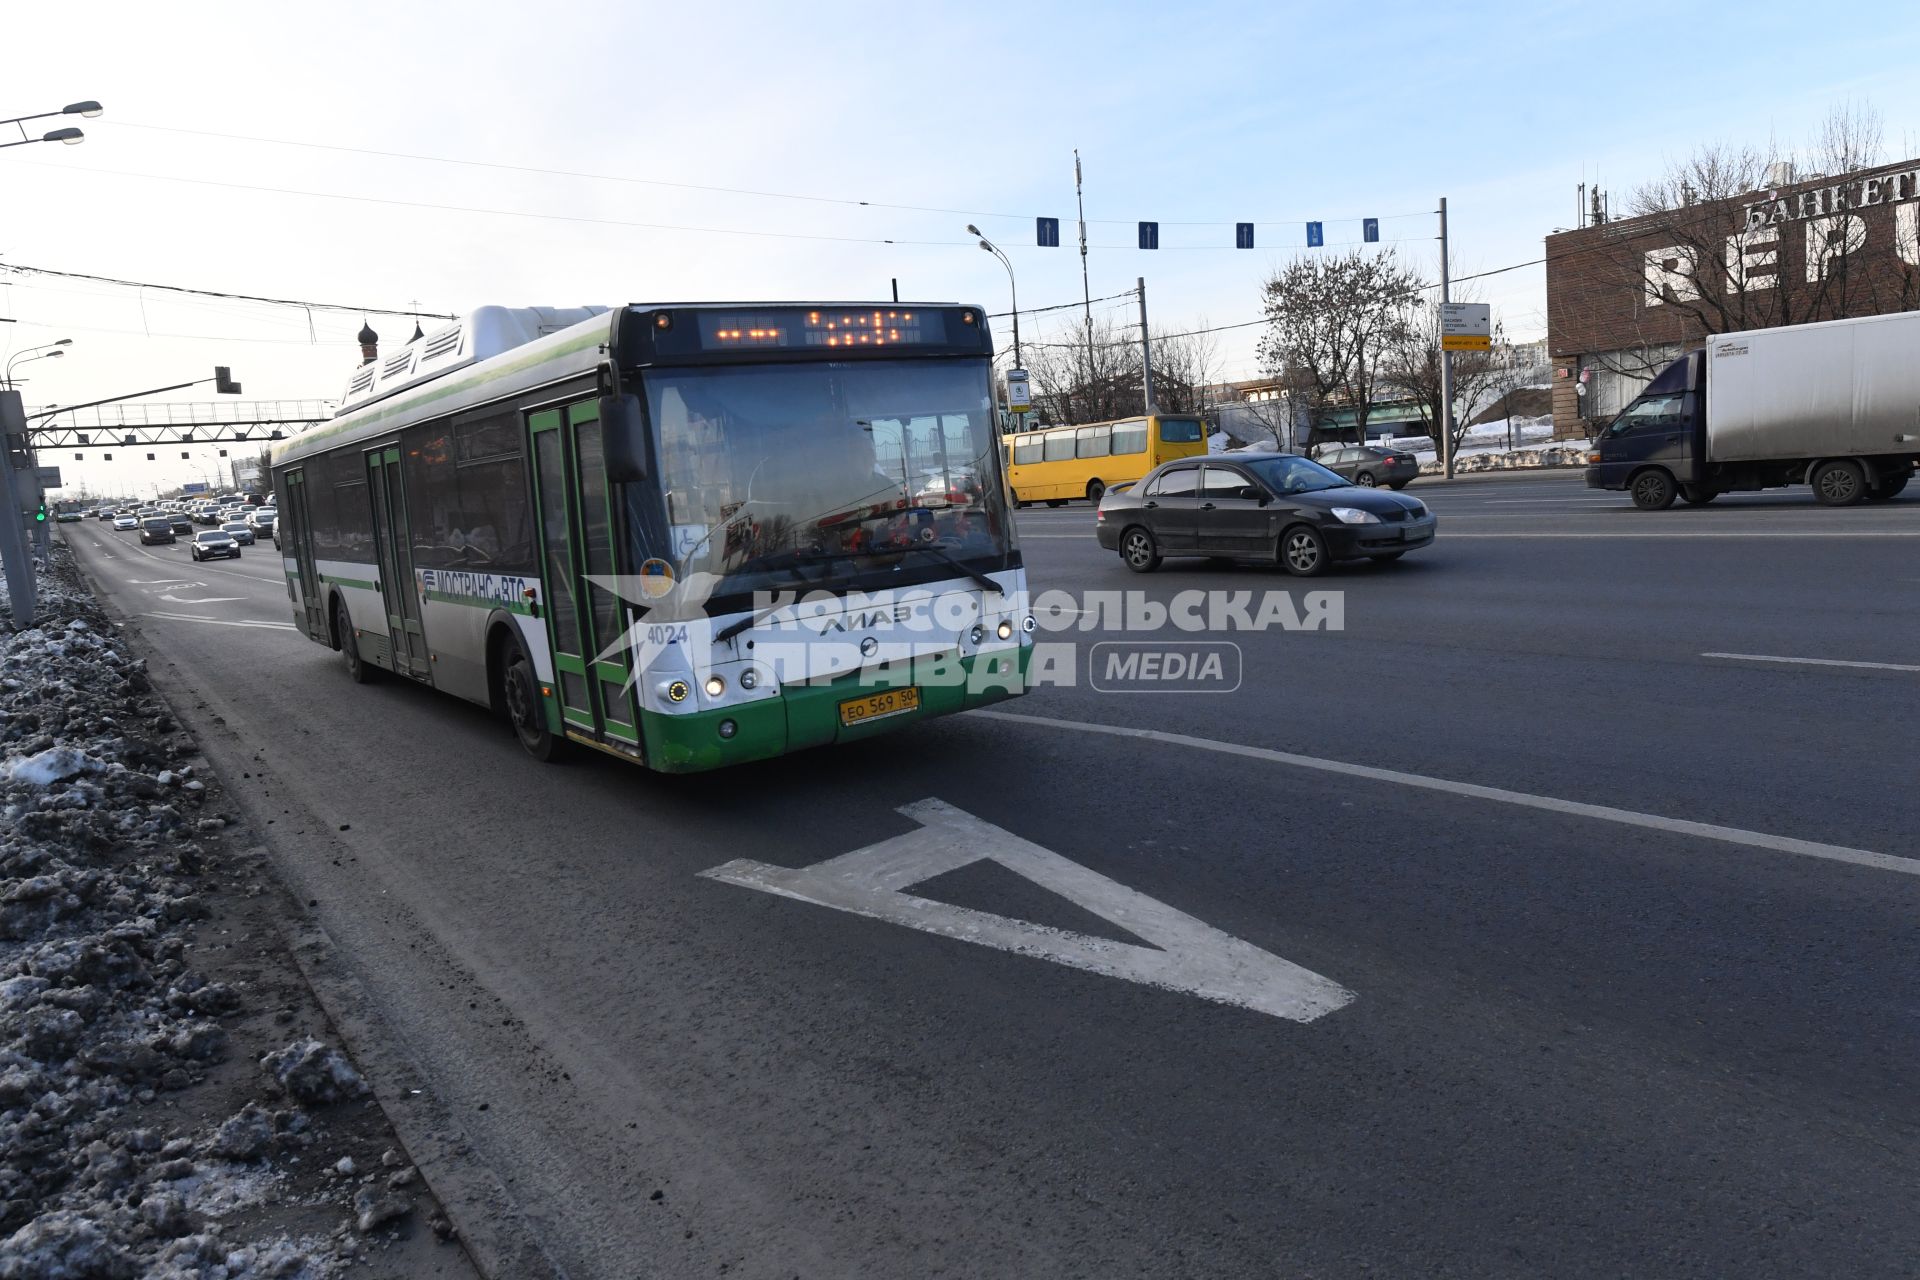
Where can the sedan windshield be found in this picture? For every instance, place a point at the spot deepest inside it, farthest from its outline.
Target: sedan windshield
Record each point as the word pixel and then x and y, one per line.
pixel 1288 474
pixel 809 474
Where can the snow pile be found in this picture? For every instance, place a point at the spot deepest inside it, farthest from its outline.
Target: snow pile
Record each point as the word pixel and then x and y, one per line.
pixel 100 1013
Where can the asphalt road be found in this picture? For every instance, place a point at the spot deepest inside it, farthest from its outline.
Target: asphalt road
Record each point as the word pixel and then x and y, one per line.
pixel 1628 930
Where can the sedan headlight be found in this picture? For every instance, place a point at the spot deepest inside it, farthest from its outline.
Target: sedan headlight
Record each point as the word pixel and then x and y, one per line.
pixel 1354 515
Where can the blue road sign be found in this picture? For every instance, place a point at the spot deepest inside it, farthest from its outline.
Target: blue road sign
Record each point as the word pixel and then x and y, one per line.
pixel 1370 229
pixel 1149 235
pixel 1243 235
pixel 1047 232
pixel 1314 238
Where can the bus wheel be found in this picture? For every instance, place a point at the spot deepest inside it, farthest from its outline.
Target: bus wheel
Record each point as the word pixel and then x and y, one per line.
pixel 1056 502
pixel 522 691
pixel 357 669
pixel 1096 491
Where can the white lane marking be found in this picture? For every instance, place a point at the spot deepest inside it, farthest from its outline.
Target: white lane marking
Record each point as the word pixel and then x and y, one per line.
pixel 1677 533
pixel 1576 808
pixel 1070 537
pixel 1187 955
pixel 163 582
pixel 1570 498
pixel 220 622
pixel 1813 662
pixel 201 599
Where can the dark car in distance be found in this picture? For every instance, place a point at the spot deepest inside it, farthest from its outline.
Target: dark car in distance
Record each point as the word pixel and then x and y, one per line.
pixel 211 543
pixel 155 530
pixel 1369 465
pixel 1269 508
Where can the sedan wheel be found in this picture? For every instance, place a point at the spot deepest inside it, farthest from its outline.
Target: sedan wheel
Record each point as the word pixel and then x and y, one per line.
pixel 1139 550
pixel 1303 552
pixel 1364 480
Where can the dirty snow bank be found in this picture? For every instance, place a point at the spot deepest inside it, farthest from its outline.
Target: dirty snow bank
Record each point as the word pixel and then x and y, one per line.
pixel 102 841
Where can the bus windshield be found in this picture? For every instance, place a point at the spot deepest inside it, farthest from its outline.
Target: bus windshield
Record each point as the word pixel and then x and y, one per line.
pixel 787 475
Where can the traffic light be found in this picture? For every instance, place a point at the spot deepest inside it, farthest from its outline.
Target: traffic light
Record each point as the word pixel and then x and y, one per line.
pixel 223 381
pixel 40 512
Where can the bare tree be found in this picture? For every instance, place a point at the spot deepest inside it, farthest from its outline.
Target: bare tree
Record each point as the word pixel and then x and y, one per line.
pixel 1411 369
pixel 1331 321
pixel 1676 253
pixel 1183 363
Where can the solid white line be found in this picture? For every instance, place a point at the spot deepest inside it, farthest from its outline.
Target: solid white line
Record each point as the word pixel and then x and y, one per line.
pixel 221 622
pixel 1448 535
pixel 1813 662
pixel 1575 808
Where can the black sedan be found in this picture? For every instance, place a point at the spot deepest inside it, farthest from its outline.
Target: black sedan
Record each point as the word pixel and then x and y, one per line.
pixel 1369 465
pixel 210 544
pixel 1272 508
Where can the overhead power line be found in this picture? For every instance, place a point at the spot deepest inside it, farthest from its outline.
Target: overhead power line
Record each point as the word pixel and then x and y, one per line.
pixel 230 297
pixel 711 188
pixel 1240 324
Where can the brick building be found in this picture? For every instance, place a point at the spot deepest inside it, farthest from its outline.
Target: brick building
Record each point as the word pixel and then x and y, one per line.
pixel 1624 297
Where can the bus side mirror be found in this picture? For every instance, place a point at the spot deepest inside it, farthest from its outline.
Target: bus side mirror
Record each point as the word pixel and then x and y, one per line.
pixel 623 433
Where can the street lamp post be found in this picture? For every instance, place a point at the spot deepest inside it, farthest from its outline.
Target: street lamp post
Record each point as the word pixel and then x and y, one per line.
pixel 1012 288
pixel 68 135
pixel 48 351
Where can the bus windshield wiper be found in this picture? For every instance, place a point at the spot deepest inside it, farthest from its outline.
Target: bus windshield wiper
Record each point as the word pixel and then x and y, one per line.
pixel 977 575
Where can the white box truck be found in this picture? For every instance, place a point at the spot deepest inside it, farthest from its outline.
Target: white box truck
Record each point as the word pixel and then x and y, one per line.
pixel 1834 405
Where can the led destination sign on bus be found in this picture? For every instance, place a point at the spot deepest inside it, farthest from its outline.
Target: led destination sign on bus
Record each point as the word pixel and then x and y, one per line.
pixel 836 327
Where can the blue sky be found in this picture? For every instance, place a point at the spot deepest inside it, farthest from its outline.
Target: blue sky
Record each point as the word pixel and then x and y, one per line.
pixel 1208 113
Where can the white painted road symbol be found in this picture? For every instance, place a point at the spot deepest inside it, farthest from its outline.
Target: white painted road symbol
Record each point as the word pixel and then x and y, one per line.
pixel 1187 955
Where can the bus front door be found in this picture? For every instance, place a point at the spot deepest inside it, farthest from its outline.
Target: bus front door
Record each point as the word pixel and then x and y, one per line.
pixel 407 638
pixel 584 616
pixel 296 544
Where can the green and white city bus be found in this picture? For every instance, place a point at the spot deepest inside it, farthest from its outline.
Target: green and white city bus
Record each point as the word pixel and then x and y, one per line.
pixel 688 535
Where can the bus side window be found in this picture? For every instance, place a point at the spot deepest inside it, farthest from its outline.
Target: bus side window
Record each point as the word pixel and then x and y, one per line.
pixel 1059 446
pixel 1026 449
pixel 1129 437
pixel 1095 441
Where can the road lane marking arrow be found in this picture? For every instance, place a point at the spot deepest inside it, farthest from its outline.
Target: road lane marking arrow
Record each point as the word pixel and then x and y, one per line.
pixel 1187 955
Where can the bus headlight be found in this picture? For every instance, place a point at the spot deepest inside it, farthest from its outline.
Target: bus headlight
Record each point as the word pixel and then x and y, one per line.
pixel 978 634
pixel 728 728
pixel 676 691
pixel 715 686
pixel 749 679
pixel 1005 629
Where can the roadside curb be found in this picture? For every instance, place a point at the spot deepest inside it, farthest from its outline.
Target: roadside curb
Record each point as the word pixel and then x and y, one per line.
pixel 1496 473
pixel 486 1219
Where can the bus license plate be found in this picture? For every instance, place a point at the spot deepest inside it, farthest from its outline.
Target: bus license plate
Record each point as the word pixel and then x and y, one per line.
pixel 878 706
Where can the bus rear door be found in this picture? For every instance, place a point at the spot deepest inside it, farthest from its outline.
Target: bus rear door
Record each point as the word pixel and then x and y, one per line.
pixel 293 532
pixel 391 535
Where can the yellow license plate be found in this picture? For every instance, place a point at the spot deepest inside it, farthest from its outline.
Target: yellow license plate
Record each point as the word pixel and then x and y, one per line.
pixel 878 706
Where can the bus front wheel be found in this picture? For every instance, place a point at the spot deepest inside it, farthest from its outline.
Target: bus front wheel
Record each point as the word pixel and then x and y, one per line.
pixel 524 710
pixel 1096 490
